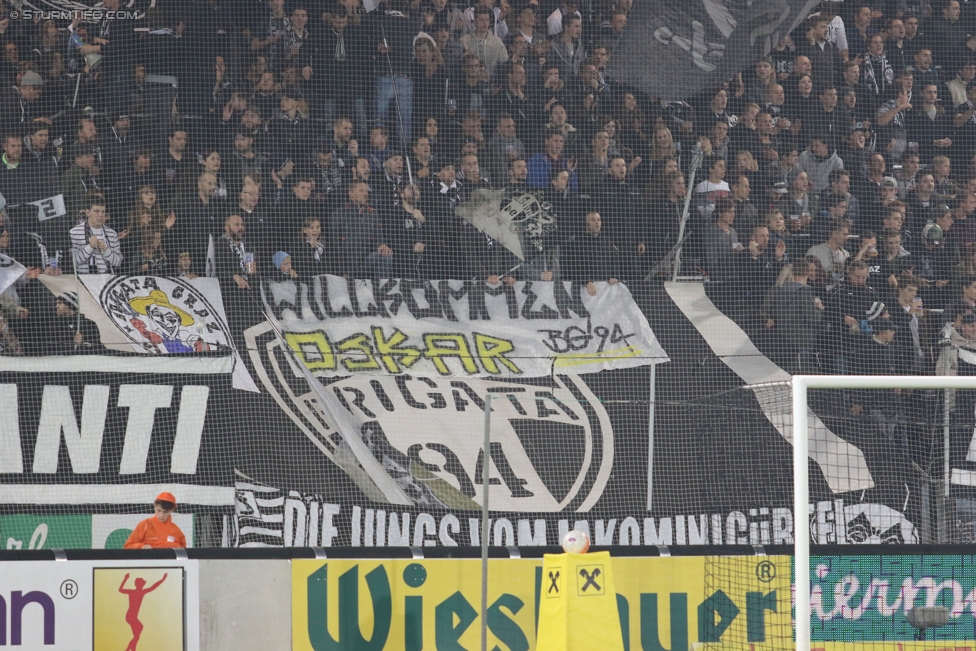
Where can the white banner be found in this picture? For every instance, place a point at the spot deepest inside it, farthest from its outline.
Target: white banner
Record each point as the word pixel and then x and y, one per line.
pixel 10 272
pixel 155 315
pixel 455 328
pixel 159 315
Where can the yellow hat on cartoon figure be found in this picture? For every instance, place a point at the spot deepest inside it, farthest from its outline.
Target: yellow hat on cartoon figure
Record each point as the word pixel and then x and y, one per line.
pixel 158 297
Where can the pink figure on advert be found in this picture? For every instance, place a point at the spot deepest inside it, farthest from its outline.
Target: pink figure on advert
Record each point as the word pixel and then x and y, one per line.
pixel 136 596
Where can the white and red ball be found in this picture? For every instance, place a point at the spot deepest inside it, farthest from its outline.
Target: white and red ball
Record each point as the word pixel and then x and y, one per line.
pixel 576 542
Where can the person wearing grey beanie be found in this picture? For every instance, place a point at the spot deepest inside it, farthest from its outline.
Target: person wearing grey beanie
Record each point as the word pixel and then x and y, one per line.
pixel 20 108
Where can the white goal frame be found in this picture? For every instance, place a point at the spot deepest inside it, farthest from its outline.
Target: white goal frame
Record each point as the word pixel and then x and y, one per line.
pixel 801 449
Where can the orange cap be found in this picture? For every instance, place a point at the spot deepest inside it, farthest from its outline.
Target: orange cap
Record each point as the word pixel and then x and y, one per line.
pixel 166 497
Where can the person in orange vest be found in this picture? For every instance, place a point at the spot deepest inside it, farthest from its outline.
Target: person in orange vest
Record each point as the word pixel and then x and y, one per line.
pixel 159 531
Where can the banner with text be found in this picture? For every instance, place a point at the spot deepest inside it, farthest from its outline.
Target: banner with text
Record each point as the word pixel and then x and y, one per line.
pixel 709 602
pixel 268 517
pixel 98 531
pixel 425 604
pixel 454 328
pixel 650 454
pixel 692 459
pixel 114 431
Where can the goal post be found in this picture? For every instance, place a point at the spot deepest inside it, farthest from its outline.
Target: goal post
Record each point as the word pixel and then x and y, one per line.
pixel 801 384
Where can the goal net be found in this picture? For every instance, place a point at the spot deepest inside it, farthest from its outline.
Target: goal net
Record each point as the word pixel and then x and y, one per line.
pixel 853 600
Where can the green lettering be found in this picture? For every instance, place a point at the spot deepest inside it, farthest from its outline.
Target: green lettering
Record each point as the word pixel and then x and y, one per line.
pixel 718 604
pixel 756 606
pixel 318 611
pixel 350 637
pixel 623 612
pixel 503 627
pixel 538 596
pixel 650 631
pixel 413 623
pixel 446 634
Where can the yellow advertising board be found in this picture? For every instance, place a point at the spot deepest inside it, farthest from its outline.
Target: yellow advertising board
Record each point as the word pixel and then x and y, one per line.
pixel 579 599
pixel 138 608
pixel 664 604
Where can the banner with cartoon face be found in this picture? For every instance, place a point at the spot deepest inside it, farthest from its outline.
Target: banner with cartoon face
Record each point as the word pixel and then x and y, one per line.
pixel 161 315
pixel 155 315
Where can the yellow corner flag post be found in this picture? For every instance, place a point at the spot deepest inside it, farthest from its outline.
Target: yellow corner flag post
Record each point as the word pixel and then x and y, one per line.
pixel 578 610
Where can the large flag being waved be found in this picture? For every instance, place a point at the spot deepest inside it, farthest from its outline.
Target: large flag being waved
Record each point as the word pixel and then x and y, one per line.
pixel 672 49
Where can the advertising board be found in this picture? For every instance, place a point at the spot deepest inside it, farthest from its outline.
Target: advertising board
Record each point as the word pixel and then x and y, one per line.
pixel 713 602
pixel 88 605
pixel 664 603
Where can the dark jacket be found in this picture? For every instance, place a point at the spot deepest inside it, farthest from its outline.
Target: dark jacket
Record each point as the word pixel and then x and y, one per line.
pixel 398 32
pixel 196 222
pixel 291 136
pixel 75 183
pixel 721 258
pixel 17 114
pixel 757 275
pixel 924 130
pixel 589 258
pixel 852 301
pixel 61 336
pixel 123 45
pixel 403 231
pixel 797 318
pixel 622 211
pixel 332 76
pixel 311 261
pixel 825 62
pixel 229 260
pixel 358 231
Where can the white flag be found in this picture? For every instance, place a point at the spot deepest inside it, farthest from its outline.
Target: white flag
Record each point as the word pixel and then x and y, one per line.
pixel 10 271
pixel 50 208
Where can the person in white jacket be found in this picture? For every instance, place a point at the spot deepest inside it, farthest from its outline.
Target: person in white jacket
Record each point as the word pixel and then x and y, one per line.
pixel 489 49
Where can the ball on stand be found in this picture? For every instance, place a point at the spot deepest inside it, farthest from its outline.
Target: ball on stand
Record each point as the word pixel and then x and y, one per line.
pixel 576 542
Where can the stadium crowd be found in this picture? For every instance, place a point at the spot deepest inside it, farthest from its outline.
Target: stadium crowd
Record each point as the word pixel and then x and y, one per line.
pixel 279 140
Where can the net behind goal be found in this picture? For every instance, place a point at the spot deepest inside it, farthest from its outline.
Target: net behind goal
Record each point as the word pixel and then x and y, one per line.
pixel 843 498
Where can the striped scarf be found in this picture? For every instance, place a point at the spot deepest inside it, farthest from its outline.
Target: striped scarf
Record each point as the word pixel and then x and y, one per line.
pixel 877 72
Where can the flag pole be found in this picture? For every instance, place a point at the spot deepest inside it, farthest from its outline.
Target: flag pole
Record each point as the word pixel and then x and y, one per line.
pixel 484 524
pixel 696 160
